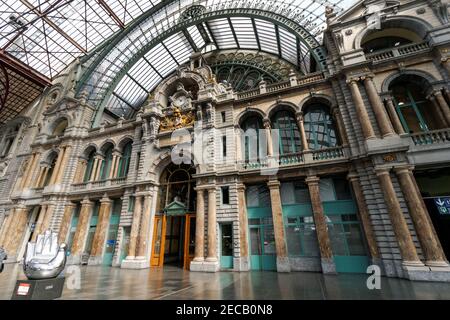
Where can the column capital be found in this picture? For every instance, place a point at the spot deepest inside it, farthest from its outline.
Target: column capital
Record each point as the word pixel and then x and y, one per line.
pixel 273 184
pixel 299 115
pixel 312 180
pixel 351 176
pixel 406 168
pixel 379 171
pixel 70 204
pixel 105 199
pixel 266 123
pixel 352 80
pixel 241 187
pixel 87 202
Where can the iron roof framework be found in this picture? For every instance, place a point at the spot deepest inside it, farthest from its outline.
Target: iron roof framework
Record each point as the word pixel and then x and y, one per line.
pixel 128 47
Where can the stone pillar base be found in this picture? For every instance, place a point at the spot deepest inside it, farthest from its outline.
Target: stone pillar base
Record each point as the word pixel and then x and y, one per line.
pixel 328 266
pixel 283 264
pixel 204 266
pixel 135 264
pixel 73 259
pixel 242 264
pixel 437 264
pixel 94 261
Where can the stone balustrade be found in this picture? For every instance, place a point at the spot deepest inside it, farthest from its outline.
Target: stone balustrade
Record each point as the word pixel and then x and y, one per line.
pixel 396 52
pixel 431 137
pixel 298 158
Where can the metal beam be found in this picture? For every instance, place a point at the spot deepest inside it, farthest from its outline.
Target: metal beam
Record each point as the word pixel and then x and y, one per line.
pixel 154 69
pixel 203 33
pixel 5 86
pixel 111 13
pixel 256 34
pixel 277 35
pixel 190 40
pixel 170 53
pixel 234 33
pixel 212 34
pixel 24 70
pixel 44 17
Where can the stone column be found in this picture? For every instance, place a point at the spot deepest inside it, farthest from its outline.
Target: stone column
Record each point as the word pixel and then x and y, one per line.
pixel 37 182
pixel 5 228
pixel 361 111
pixel 326 254
pixel 57 166
pixel 63 165
pixel 21 217
pixel 243 228
pixel 38 226
pixel 44 176
pixel 200 227
pixel 98 169
pixel 98 242
pixel 438 114
pixel 278 227
pixel 81 170
pixel 144 233
pixel 211 258
pixel 112 170
pixel 66 221
pixel 8 229
pixel 394 116
pixel 301 127
pixel 79 239
pixel 443 105
pixel 268 137
pixel 404 239
pixel 47 218
pixel 434 256
pixel 340 125
pixel 135 228
pixel 365 218
pixel 30 171
pixel 116 167
pixel 378 108
pixel 93 176
pixel 238 137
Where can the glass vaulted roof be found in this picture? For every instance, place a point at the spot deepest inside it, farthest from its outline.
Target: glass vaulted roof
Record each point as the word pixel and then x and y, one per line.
pixel 128 47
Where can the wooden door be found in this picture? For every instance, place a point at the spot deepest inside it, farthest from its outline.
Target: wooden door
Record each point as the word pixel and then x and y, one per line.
pixel 159 237
pixel 189 240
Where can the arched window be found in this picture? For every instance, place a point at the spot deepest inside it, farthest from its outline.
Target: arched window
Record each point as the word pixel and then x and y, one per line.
pixel 60 128
pixel 392 35
pixel 416 113
pixel 89 166
pixel 124 163
pixel 319 127
pixel 177 185
pixel 106 164
pixel 251 126
pixel 290 141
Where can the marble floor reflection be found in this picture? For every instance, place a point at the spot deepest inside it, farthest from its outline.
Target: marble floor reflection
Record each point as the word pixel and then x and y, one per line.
pixel 99 282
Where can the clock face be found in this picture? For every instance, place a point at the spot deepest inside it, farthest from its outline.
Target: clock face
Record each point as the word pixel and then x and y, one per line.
pixel 180 101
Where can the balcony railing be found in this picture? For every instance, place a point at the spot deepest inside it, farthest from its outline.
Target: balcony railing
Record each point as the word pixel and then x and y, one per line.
pixel 99 184
pixel 397 51
pixel 298 158
pixel 328 153
pixel 431 137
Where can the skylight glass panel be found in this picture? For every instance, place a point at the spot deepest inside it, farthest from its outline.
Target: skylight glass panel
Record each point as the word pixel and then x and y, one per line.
pixel 179 47
pixel 267 36
pixel 161 60
pixel 145 74
pixel 288 43
pixel 222 33
pixel 196 36
pixel 245 33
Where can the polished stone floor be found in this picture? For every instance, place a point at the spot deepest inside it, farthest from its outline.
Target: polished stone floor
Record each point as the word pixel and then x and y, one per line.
pixel 172 283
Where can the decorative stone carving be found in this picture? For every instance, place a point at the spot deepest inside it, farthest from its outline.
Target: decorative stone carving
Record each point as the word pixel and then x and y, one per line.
pixel 177 120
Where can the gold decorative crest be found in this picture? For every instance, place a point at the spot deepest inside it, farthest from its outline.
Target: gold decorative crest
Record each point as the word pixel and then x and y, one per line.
pixel 177 120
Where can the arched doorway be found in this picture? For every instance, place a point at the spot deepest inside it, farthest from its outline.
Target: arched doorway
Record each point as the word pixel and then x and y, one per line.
pixel 174 225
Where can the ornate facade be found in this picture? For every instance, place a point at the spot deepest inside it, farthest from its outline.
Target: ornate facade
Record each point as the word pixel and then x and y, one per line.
pixel 234 162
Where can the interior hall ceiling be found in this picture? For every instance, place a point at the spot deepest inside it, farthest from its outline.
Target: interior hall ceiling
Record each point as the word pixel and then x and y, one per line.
pixel 47 35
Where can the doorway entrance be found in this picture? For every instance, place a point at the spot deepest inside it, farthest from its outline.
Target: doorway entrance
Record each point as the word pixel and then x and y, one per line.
pixel 173 241
pixel 174 224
